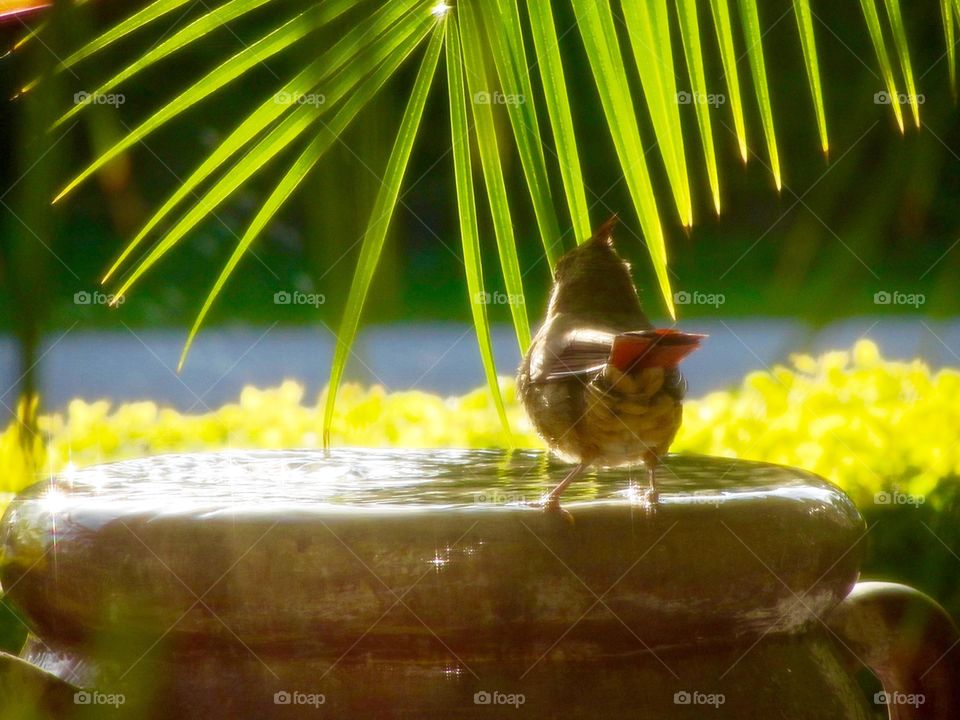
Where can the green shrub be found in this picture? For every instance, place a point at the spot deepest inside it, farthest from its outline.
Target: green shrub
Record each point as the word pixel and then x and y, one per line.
pixel 866 423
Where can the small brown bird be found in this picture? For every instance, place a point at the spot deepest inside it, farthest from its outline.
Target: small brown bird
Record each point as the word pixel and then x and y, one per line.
pixel 599 383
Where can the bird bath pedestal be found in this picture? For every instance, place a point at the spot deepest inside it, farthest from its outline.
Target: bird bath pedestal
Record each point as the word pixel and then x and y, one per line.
pixel 382 584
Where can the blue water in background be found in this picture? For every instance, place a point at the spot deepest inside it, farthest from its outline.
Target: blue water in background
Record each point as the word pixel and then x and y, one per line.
pixel 440 358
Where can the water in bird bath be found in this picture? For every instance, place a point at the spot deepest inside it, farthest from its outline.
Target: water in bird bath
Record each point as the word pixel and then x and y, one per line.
pixel 381 480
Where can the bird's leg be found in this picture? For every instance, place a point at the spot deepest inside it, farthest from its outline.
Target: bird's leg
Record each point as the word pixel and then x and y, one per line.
pixel 650 461
pixel 551 500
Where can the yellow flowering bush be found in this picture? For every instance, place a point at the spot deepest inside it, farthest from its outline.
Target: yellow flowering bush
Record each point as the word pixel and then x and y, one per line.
pixel 864 422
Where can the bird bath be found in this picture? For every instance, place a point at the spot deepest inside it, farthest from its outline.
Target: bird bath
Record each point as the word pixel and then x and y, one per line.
pixel 388 584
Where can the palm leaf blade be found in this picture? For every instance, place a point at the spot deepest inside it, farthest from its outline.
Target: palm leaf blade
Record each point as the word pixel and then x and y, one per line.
pixel 650 39
pixel 275 41
pixel 493 174
pixel 278 139
pixel 331 61
pixel 693 52
pixel 380 218
pixel 949 34
pixel 325 138
pixel 511 67
pixel 598 32
pixel 467 212
pixel 754 40
pixel 147 15
pixel 558 110
pixel 903 52
pixel 808 43
pixel 720 9
pixel 869 8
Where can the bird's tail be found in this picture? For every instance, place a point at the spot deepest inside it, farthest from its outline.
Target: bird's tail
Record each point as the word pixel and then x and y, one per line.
pixel 652 348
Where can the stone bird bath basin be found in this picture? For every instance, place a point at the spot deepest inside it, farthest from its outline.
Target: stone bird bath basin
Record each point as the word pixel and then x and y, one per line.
pixel 386 584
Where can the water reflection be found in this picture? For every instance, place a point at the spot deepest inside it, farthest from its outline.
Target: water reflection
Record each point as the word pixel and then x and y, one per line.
pixel 352 480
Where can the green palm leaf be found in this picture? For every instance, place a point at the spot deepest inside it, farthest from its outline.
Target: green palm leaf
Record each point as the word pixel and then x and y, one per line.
pixel 599 33
pixel 558 108
pixel 650 38
pixel 949 32
pixel 903 52
pixel 721 21
pixel 374 45
pixel 690 35
pixel 808 42
pixel 269 45
pixel 754 40
pixel 341 55
pixel 467 212
pixel 510 58
pixel 325 138
pixel 493 172
pixel 153 11
pixel 380 218
pixel 876 37
pixel 210 22
pixel 283 134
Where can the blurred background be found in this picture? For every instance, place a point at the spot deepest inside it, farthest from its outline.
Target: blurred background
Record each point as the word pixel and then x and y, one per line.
pixel 863 243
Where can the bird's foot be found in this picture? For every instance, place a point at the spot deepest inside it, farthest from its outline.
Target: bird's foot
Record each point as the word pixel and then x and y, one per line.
pixel 552 509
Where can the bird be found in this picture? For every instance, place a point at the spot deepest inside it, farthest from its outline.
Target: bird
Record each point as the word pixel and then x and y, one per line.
pixel 600 384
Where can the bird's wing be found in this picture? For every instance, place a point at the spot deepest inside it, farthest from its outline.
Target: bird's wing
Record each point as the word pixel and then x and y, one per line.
pixel 578 352
pixel 585 352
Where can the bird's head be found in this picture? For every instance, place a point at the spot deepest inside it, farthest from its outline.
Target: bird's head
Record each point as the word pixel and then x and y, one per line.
pixel 593 278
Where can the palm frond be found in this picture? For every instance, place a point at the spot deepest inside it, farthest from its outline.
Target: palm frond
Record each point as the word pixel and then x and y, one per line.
pixel 754 37
pixel 650 39
pixel 699 95
pixel 467 213
pixel 154 11
pixel 380 221
pixel 949 35
pixel 293 126
pixel 720 10
pixel 557 102
pixel 880 48
pixel 599 38
pixel 490 163
pixel 808 42
pixel 257 52
pixel 478 36
pixel 895 16
pixel 510 58
pixel 327 135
